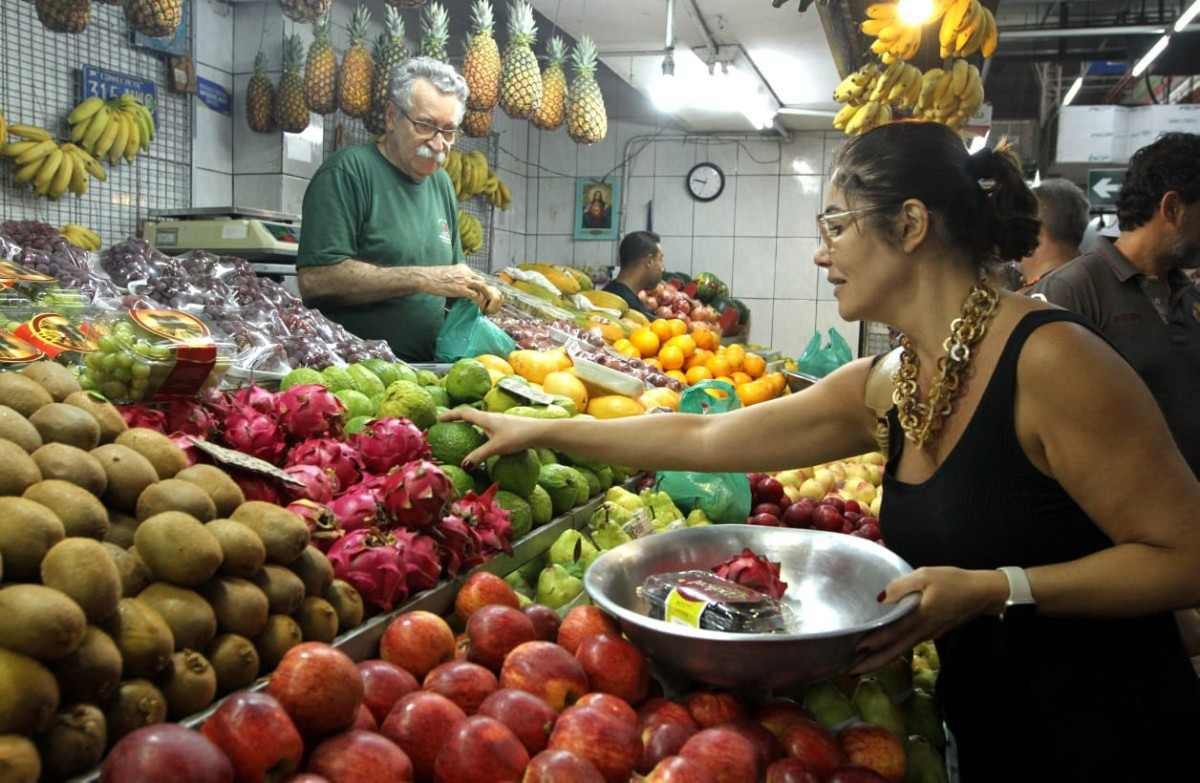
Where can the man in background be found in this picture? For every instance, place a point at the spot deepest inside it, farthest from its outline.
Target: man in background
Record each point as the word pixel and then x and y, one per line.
pixel 642 265
pixel 1063 211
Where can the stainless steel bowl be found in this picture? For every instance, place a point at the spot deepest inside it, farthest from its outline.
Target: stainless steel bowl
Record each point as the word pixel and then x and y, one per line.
pixel 832 579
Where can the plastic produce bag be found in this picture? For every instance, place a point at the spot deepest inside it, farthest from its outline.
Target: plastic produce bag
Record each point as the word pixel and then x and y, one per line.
pixel 820 359
pixel 466 333
pixel 723 497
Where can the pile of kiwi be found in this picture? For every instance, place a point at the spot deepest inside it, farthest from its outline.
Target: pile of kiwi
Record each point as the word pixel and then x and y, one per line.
pixel 134 587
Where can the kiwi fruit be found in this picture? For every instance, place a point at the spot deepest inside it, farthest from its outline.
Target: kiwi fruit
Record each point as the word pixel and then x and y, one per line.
pixel 241 606
pixel 80 512
pixel 281 634
pixel 178 548
pixel 284 590
pixel 348 604
pixel 283 533
pixel 314 570
pixel 189 684
pixel 121 528
pixel 243 551
pixel 92 672
pixel 223 490
pixel 167 458
pixel 143 637
pixel 74 465
pixel 138 703
pixel 40 621
pixel 20 471
pixel 234 660
pixel 24 395
pixel 103 411
pixel 30 696
pixel 27 531
pixel 318 620
pixel 19 760
pixel 192 621
pixel 135 574
pixel 62 423
pixel 129 473
pixel 81 569
pixel 15 427
pixel 52 377
pixel 75 741
pixel 175 495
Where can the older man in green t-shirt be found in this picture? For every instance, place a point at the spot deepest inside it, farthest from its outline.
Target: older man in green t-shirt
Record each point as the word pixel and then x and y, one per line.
pixel 379 249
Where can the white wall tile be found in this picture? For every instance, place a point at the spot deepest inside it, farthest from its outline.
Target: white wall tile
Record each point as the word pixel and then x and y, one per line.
pixel 553 250
pixel 824 289
pixel 513 218
pixel 639 191
pixel 253 23
pixel 501 251
pixel 794 322
pixel 514 144
pixel 641 162
pixel 827 317
pixel 556 206
pixel 758 157
pixel 753 268
pixel 795 272
pixel 214 34
pixel 757 206
pixel 598 160
pixel 595 254
pixel 723 154
pixel 211 189
pixel 678 254
pixel 303 153
pixel 557 153
pixel 833 143
pixel 799 203
pixel 713 254
pixel 673 158
pixel 805 154
pixel 257 191
pixel 762 320
pixel 672 207
pixel 212 147
pixel 292 196
pixel 715 218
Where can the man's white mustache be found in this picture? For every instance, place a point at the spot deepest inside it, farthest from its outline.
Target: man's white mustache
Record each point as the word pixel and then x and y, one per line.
pixel 426 152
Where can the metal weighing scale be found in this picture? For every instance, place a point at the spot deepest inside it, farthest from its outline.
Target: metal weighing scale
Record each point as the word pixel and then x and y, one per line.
pixel 268 240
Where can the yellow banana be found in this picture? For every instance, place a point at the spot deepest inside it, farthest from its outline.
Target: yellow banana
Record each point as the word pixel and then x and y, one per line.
pixel 109 137
pixel 881 10
pixel 91 164
pixel 910 99
pixel 79 174
pixel 149 121
pixel 929 83
pixel 969 40
pixel 844 116
pixel 960 74
pixel 85 110
pixel 883 84
pixel 903 86
pixel 3 132
pixel 874 26
pixel 134 143
pixel 62 177
pixel 863 118
pixel 45 175
pixel 951 21
pixel 987 47
pixel 943 86
pixel 29 132
pixel 27 172
pixel 974 79
pixel 80 129
pixel 19 148
pixel 124 127
pixel 96 128
pixel 38 151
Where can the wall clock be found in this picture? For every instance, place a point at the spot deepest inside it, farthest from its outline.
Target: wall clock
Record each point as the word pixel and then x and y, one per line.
pixel 706 181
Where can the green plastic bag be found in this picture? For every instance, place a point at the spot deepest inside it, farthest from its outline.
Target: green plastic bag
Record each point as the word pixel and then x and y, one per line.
pixel 467 334
pixel 723 497
pixel 819 360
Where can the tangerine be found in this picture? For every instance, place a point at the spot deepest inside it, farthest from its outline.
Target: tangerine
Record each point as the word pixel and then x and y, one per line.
pixel 678 327
pixel 740 377
pixel 754 392
pixel 697 374
pixel 754 365
pixel 671 357
pixel 705 338
pixel 684 343
pixel 718 366
pixel 699 358
pixel 677 375
pixel 736 354
pixel 662 329
pixel 645 340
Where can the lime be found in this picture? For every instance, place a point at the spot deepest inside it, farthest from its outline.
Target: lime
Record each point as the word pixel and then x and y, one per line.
pixel 468 381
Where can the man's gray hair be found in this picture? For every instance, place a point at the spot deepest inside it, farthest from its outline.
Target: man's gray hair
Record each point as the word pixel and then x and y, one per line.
pixel 1063 210
pixel 443 77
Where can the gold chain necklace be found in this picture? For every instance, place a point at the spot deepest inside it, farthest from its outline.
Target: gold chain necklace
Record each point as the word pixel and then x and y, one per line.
pixel 922 421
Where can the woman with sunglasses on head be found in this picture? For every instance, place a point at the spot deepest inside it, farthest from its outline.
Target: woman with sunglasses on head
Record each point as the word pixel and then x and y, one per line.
pixel 379 250
pixel 1031 479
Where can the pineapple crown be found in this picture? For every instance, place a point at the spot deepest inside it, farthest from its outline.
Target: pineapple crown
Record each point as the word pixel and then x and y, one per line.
pixel 394 23
pixel 260 62
pixel 321 28
pixel 380 46
pixel 556 50
pixel 483 20
pixel 435 31
pixel 522 30
pixel 359 24
pixel 293 53
pixel 583 58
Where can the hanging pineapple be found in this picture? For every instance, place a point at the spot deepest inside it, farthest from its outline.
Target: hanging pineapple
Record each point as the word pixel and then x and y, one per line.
pixel 435 31
pixel 155 18
pixel 354 91
pixel 587 122
pixel 477 123
pixel 481 65
pixel 64 16
pixel 291 110
pixel 390 52
pixel 554 88
pixel 521 80
pixel 320 70
pixel 305 10
pixel 260 98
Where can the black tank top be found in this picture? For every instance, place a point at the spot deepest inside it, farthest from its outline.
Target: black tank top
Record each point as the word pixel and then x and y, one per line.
pixel 1087 694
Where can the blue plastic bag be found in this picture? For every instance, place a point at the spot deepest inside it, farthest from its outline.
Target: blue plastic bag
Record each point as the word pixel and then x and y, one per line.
pixel 466 333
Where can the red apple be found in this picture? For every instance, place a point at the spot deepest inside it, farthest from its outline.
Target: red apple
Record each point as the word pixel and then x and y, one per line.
pixel 847 527
pixel 320 688
pixel 853 517
pixel 768 508
pixel 724 752
pixel 358 756
pixel 257 735
pixel 799 514
pixel 383 685
pixel 464 683
pixel 790 771
pixel 613 705
pixel 851 507
pixel 826 517
pixel 777 716
pixel 768 490
pixel 754 478
pixel 494 631
pixel 874 747
pixel 545 670
pixel 813 744
pixel 764 742
pixel 527 716
pixel 545 621
pixel 660 740
pixel 661 710
pixel 766 520
pixel 611 744
pixel 481 589
pixel 582 622
pixel 462 647
pixel 855 774
pixel 870 530
pixel 615 666
pixel 364 720
pixel 166 751
pixel 482 748
pixel 561 766
pixel 420 724
pixel 677 769
pixel 417 642
pixel 712 708
pixel 836 502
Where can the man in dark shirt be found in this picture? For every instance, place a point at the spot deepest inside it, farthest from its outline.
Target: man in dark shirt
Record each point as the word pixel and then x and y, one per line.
pixel 642 265
pixel 1135 290
pixel 1063 211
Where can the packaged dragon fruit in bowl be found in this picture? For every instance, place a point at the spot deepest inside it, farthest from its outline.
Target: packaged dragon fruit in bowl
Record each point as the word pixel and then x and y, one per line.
pixel 701 599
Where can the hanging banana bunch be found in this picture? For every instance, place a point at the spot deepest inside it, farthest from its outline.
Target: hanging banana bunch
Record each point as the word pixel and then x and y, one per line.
pixel 81 236
pixel 967 27
pixel 50 168
pixel 952 95
pixel 471 176
pixel 873 95
pixel 470 233
pixel 120 128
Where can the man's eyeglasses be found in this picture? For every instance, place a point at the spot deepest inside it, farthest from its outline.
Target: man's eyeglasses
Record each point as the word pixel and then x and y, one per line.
pixel 832 230
pixel 428 130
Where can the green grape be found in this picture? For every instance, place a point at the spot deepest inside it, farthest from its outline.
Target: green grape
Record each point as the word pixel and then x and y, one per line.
pixel 110 361
pixel 122 374
pixel 125 360
pixel 94 361
pixel 108 343
pixel 86 381
pixel 140 370
pixel 161 352
pixel 114 390
pixel 124 328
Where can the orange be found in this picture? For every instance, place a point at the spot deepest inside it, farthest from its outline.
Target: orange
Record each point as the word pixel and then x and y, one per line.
pixel 754 392
pixel 684 343
pixel 567 385
pixel 777 381
pixel 678 327
pixel 671 357
pixel 614 406
pixel 718 366
pixel 705 338
pixel 736 354
pixel 697 374
pixel 662 329
pixel 699 358
pixel 754 365
pixel 677 375
pixel 645 340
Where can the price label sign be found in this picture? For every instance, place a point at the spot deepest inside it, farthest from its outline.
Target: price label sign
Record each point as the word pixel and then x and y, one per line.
pixel 108 85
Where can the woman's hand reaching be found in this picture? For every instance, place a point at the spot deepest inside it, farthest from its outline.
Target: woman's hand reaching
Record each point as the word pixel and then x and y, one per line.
pixel 506 434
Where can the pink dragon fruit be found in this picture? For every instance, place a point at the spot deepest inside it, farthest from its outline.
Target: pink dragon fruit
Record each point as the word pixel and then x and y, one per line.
pixel 217 401
pixel 459 544
pixel 318 486
pixel 388 443
pixel 190 418
pixel 256 487
pixel 309 411
pixel 184 442
pixel 416 493
pixel 323 527
pixel 753 571
pixel 255 434
pixel 332 455
pixel 255 397
pixel 490 521
pixel 421 563
pixel 144 416
pixel 361 505
pixel 372 563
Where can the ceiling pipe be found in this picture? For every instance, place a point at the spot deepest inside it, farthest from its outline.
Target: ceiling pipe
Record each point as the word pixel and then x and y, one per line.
pixel 708 36
pixel 1089 32
pixel 669 63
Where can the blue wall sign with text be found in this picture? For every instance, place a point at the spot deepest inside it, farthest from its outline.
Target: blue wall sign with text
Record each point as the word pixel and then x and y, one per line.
pixel 214 96
pixel 109 85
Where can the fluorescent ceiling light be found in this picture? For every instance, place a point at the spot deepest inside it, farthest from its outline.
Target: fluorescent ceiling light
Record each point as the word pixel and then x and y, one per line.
pixel 1151 55
pixel 914 13
pixel 1187 17
pixel 1071 93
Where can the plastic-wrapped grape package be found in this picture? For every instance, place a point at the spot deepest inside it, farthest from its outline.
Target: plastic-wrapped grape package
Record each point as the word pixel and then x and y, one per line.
pixel 133 259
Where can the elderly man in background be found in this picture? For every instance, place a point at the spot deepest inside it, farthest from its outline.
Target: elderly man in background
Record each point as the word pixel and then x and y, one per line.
pixel 1063 210
pixel 379 249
